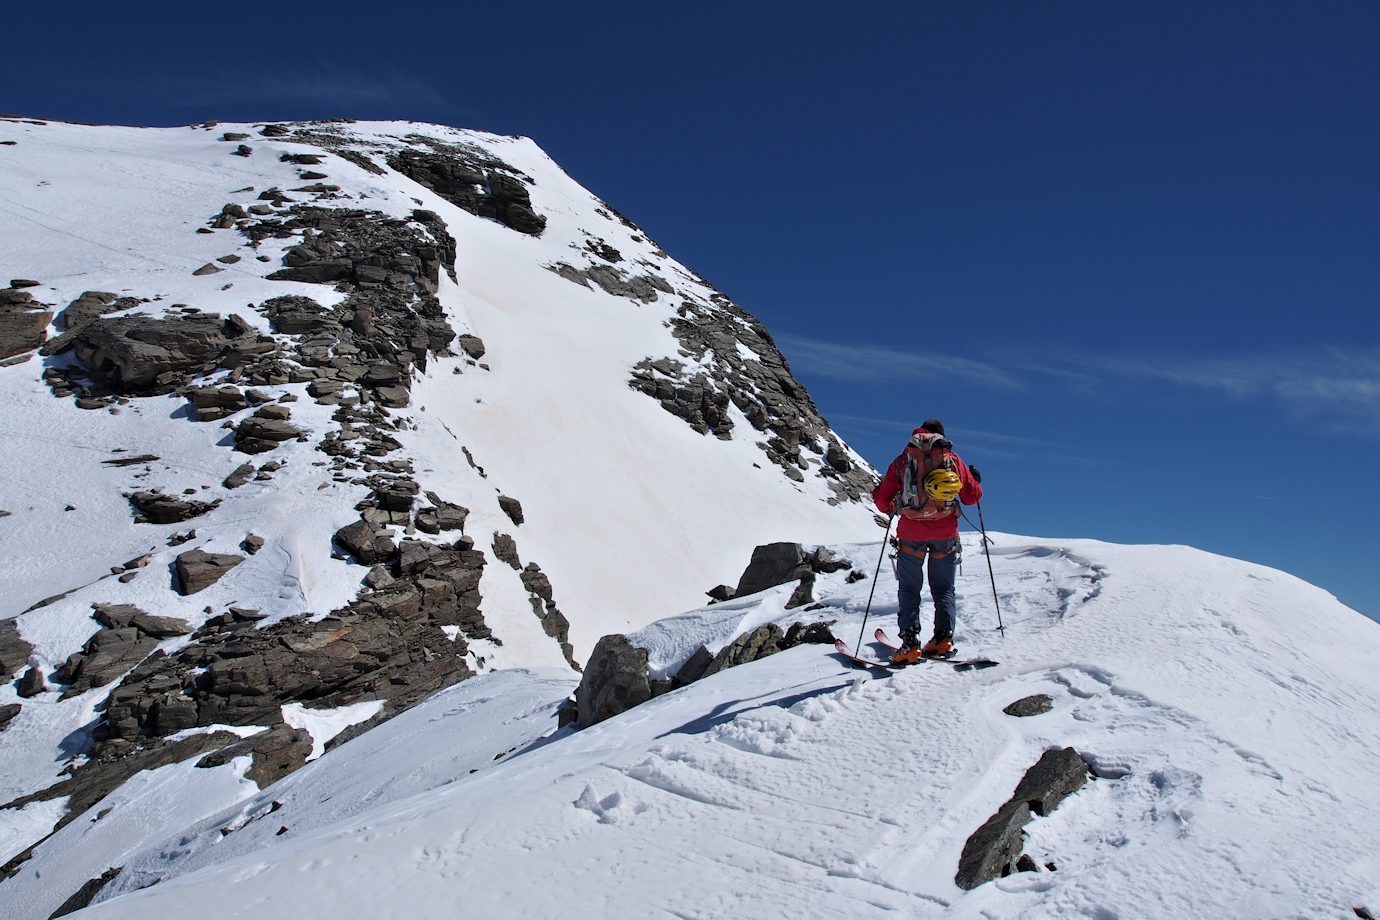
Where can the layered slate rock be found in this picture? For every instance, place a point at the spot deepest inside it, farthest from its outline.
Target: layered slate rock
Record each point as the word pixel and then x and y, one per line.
pixel 553 622
pixel 14 651
pixel 151 355
pixel 389 644
pixel 157 508
pixel 197 569
pixel 128 636
pixel 994 850
pixel 23 322
pixel 276 753
pixel 473 181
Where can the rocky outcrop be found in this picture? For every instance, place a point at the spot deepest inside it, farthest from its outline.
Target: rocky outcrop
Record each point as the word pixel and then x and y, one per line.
pixel 616 672
pixel 151 355
pixel 389 644
pixel 197 570
pixel 157 508
pixel 276 753
pixel 473 181
pixel 14 651
pixel 775 564
pixel 23 322
pixel 553 622
pixel 644 288
pixel 994 850
pixel 86 893
pixel 7 713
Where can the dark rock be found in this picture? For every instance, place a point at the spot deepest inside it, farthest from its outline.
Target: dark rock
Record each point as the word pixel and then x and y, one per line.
pixel 803 593
pixel 771 565
pixel 90 305
pixel 511 507
pixel 1027 863
pixel 7 713
pixel 233 136
pixel 276 752
pixel 367 545
pixel 22 329
pixel 1035 705
pixel 86 893
pixel 243 150
pixel 1058 773
pixel 146 355
pixel 695 667
pixel 991 852
pixel 614 681
pixel 106 655
pixel 252 544
pixel 211 404
pixel 994 849
pixel 17 283
pixel 197 570
pixel 239 477
pixel 14 651
pixel 157 508
pixel 505 550
pixel 275 131
pixel 31 683
pixel 474 182
pixel 256 434
pixel 302 159
pixel 472 345
pixel 720 593
pixel 822 560
pixel 209 268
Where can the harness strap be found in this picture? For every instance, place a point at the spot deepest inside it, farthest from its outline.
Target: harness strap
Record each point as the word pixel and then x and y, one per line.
pixel 921 552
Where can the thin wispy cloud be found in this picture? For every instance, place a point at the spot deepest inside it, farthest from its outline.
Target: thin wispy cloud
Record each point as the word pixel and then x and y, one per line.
pixel 875 363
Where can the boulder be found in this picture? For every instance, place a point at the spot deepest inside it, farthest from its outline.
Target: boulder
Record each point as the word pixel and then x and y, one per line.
pixel 7 713
pixel 31 683
pixel 614 681
pixel 994 850
pixel 1027 706
pixel 157 508
pixel 511 507
pixel 368 545
pixel 771 565
pixel 210 404
pixel 197 570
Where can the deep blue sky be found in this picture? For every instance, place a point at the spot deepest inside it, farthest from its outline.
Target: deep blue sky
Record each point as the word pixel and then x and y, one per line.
pixel 1128 252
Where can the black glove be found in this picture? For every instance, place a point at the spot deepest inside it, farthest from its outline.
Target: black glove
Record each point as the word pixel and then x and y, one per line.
pixel 975 473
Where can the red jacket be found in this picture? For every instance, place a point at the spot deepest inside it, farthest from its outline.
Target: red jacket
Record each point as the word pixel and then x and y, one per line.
pixel 943 529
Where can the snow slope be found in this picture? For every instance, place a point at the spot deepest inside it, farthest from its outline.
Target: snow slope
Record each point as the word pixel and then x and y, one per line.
pixel 1228 710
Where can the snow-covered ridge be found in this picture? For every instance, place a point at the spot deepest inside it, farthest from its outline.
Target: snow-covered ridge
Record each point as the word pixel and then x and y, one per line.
pixel 244 366
pixel 1230 770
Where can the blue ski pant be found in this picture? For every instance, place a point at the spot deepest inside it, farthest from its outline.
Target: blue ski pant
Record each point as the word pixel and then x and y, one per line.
pixel 942 556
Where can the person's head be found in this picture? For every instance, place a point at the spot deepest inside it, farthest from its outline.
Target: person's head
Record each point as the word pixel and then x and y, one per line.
pixel 933 425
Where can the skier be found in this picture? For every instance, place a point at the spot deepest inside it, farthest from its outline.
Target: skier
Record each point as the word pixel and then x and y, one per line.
pixel 924 486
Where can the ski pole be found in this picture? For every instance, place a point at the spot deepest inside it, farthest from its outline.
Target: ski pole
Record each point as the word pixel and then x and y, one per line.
pixel 996 603
pixel 885 537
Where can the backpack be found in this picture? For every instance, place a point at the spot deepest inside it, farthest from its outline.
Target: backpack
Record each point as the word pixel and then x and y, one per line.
pixel 925 453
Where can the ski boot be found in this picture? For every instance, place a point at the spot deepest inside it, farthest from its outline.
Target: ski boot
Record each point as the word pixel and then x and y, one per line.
pixel 938 647
pixel 909 652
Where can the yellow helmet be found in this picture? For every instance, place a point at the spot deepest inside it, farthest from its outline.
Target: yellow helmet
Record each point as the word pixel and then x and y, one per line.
pixel 942 485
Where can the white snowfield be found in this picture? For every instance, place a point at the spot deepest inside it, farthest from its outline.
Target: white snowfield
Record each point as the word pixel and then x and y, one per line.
pixel 1228 711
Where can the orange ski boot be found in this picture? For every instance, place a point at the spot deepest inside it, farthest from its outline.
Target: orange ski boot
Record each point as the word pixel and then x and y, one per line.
pixel 909 652
pixel 938 647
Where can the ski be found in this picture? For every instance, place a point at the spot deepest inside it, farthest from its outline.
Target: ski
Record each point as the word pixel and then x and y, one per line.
pixel 961 664
pixel 859 662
